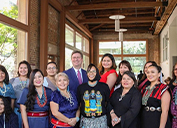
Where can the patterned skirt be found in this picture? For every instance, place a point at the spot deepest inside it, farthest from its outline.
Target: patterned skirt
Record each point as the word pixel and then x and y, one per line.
pixel 97 122
pixel 174 122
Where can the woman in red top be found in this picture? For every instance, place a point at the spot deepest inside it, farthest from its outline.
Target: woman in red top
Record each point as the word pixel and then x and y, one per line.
pixel 107 70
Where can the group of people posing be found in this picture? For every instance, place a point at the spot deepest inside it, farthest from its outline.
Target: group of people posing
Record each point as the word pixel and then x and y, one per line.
pixel 96 98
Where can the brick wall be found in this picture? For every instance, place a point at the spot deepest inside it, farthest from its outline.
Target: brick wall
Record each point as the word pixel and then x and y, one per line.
pixel 34 33
pixel 153 43
pixel 54 32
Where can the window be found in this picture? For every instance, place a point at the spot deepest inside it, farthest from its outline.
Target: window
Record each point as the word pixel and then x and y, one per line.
pixel 165 48
pixel 132 51
pixel 113 47
pixel 75 41
pixel 15 9
pixel 14 37
pixel 68 53
pixel 78 41
pixel 86 45
pixel 69 36
pixel 134 47
pixel 137 63
pixel 12 45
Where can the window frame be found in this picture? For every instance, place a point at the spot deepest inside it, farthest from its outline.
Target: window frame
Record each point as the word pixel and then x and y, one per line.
pixel 165 48
pixel 78 33
pixel 125 55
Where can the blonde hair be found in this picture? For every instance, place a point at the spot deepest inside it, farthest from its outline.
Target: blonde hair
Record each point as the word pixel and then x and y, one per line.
pixel 61 74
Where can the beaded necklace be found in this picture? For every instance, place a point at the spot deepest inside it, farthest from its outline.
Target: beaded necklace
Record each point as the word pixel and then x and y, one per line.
pixel 175 98
pixel 70 98
pixel 146 96
pixel 23 85
pixel 43 100
pixel 92 85
pixel 1 89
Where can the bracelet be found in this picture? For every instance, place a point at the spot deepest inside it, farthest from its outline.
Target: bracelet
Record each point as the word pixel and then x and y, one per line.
pixel 77 119
pixel 111 112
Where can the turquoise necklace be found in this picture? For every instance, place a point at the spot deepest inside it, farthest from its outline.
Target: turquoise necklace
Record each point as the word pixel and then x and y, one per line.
pixel 146 96
pixel 92 85
pixel 21 83
pixel 43 99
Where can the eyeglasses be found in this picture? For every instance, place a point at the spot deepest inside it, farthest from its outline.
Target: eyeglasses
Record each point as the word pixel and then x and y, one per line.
pixel 51 68
pixel 91 72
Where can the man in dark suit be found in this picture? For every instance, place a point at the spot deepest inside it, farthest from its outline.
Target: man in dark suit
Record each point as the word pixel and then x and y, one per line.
pixel 76 74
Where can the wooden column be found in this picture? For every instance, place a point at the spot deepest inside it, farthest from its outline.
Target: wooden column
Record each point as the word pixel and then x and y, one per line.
pixel 43 35
pixel 91 50
pixel 62 41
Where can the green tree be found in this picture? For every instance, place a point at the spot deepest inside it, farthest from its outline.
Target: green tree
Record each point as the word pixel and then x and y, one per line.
pixel 8 35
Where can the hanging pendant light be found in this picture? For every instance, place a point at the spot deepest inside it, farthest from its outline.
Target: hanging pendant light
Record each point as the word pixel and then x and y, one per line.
pixel 117 20
pixel 117 25
pixel 121 33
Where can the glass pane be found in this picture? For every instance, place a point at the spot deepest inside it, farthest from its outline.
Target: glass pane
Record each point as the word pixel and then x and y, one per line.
pixel 137 63
pixel 86 45
pixel 12 45
pixel 85 62
pixel 166 40
pixel 69 36
pixel 113 47
pixel 134 47
pixel 68 63
pixel 163 54
pixel 15 9
pixel 166 54
pixel 78 41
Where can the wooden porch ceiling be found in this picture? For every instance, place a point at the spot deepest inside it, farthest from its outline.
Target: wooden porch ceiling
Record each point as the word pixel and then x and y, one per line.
pixel 141 16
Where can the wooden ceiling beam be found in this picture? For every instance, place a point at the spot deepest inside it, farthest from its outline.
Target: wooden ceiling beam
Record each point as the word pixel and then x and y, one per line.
pixel 127 25
pixel 123 13
pixel 168 11
pixel 126 20
pixel 128 31
pixel 119 11
pixel 96 27
pixel 115 5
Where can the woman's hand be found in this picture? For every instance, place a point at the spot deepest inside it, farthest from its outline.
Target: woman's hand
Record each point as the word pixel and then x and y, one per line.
pixel 114 119
pixel 72 121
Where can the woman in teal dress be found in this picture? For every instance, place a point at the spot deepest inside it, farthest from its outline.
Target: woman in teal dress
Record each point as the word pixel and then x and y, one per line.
pixel 6 88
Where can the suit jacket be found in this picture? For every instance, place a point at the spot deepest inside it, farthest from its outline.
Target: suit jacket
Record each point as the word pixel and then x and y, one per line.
pixel 73 80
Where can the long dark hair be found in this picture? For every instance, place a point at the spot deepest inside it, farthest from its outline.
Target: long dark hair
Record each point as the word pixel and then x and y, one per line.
pixel 126 63
pixel 32 91
pixel 173 74
pixel 28 66
pixel 7 108
pixel 97 77
pixel 3 69
pixel 132 76
pixel 101 68
pixel 144 75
